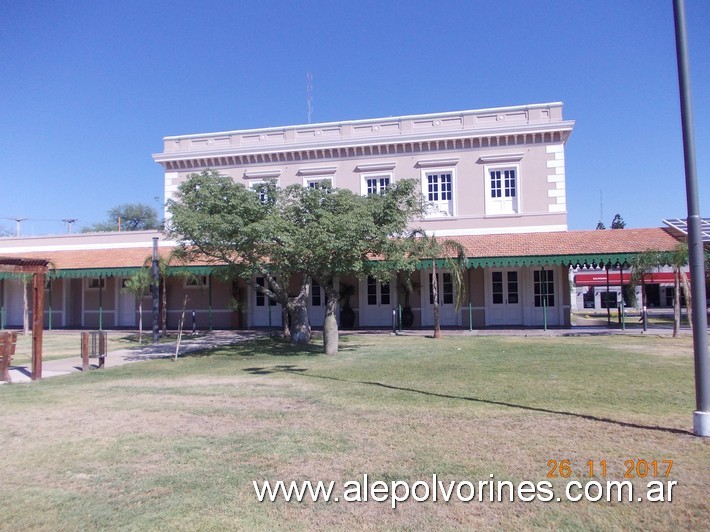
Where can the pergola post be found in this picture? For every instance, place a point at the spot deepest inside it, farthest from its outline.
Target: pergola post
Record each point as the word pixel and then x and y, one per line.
pixel 38 269
pixel 37 324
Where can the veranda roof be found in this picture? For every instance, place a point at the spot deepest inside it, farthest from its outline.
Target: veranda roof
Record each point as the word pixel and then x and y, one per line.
pixel 565 248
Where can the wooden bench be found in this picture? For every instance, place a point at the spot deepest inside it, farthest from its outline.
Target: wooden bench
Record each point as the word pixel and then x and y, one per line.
pixel 8 341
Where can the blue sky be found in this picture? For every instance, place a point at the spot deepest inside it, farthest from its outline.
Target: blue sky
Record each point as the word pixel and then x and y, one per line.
pixel 89 88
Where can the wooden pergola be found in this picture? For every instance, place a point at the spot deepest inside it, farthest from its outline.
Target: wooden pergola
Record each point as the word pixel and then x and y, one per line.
pixel 19 267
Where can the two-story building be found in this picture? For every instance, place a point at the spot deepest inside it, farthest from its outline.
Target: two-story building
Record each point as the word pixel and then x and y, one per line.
pixel 494 179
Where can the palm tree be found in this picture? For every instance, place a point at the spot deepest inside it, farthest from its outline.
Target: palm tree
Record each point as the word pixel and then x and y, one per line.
pixel 165 270
pixel 450 255
pixel 139 285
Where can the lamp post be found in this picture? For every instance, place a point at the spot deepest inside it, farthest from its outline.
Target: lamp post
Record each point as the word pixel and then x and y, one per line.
pixel 701 416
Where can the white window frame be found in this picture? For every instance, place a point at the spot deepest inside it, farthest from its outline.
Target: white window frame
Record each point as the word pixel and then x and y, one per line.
pixel 256 183
pixel 435 210
pixel 493 204
pixel 308 182
pixel 375 175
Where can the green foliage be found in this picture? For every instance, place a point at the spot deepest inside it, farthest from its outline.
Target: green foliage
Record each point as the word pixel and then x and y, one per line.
pixel 139 283
pixel 130 216
pixel 618 222
pixel 279 233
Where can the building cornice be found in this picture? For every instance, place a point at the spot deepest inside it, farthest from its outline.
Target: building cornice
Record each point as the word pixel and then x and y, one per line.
pixel 496 111
pixel 451 141
pixel 503 126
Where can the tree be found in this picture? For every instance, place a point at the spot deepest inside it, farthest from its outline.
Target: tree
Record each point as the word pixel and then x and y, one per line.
pixel 127 217
pixel 342 232
pixel 677 258
pixel 618 222
pixel 226 223
pixel 139 285
pixel 165 270
pixel 317 233
pixel 600 225
pixel 450 255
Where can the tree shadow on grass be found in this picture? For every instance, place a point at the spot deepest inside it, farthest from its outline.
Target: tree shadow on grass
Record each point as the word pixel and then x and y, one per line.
pixel 274 346
pixel 302 372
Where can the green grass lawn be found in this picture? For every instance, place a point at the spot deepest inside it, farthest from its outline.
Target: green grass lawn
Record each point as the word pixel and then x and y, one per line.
pixel 66 344
pixel 176 445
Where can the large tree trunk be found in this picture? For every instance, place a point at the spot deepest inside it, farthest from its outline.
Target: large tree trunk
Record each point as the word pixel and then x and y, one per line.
pixel 435 290
pixel 300 326
pixel 330 325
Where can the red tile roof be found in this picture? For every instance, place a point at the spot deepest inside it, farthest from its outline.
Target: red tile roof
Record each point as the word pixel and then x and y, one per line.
pixel 568 243
pixel 561 243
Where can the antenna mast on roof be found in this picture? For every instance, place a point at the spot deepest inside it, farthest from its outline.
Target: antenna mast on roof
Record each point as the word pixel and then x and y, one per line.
pixel 309 95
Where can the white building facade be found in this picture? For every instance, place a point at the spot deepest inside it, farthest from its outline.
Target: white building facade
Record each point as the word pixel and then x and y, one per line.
pixel 494 171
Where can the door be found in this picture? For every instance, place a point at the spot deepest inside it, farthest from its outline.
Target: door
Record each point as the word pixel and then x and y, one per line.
pixel 126 306
pixel 447 309
pixel 266 313
pixel 316 306
pixel 504 301
pixel 376 304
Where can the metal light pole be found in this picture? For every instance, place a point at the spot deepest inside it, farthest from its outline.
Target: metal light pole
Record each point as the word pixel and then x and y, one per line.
pixel 154 291
pixel 701 417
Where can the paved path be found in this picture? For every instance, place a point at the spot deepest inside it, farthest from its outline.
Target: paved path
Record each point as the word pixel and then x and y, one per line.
pixel 63 366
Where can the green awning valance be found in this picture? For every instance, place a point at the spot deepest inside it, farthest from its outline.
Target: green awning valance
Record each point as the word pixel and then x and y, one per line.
pixel 15 275
pixel 92 272
pixel 126 271
pixel 599 259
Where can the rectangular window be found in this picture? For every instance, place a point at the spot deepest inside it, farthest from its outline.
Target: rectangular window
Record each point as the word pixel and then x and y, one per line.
pixel 96 282
pixel 446 288
pixel 261 298
pixel 512 288
pixel 503 183
pixel 440 187
pixel 588 297
pixel 196 280
pixel 502 190
pixel 371 290
pixel 261 189
pixel 384 293
pixel 497 287
pixel 433 191
pixel 315 294
pixel 544 287
pixel 377 184
pixel 608 299
pixel 440 192
pixel 320 182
